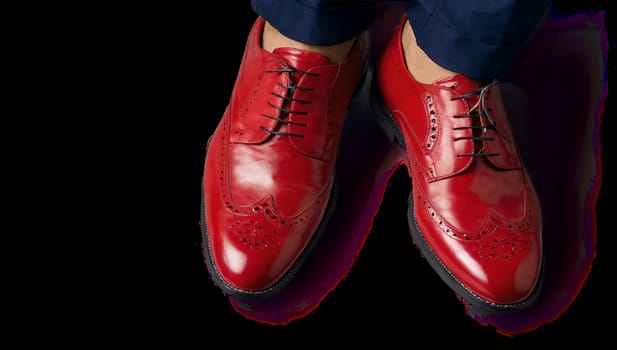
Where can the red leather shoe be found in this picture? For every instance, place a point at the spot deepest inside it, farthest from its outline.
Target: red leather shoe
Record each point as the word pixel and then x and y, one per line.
pixel 474 213
pixel 269 173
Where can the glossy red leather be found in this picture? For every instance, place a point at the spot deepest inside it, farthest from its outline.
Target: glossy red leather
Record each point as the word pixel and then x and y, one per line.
pixel 266 193
pixel 479 215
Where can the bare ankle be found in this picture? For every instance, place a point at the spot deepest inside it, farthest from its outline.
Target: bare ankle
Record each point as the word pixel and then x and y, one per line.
pixel 419 65
pixel 272 39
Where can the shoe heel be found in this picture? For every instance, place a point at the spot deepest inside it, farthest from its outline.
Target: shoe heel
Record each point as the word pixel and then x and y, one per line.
pixel 358 99
pixel 383 117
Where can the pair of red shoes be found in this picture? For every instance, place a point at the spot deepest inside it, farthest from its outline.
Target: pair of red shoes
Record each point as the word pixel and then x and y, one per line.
pixel 269 182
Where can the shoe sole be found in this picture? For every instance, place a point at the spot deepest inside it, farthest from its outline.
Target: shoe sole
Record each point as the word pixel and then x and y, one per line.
pixel 474 302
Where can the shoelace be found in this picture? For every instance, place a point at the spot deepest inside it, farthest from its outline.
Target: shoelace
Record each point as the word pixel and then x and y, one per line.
pixel 476 112
pixel 290 91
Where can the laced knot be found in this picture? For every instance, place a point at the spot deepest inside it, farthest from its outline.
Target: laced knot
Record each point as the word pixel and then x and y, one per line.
pixel 287 98
pixel 481 122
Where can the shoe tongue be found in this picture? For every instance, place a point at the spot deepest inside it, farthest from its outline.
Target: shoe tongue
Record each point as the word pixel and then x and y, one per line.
pixel 301 59
pixel 459 82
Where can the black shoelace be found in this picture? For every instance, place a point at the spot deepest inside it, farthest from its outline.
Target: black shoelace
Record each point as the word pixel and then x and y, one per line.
pixel 290 91
pixel 479 129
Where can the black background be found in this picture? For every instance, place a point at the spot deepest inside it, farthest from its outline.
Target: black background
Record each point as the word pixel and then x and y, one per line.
pixel 192 62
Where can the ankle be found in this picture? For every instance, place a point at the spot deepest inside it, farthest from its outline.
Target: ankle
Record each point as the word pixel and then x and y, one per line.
pixel 272 39
pixel 419 65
